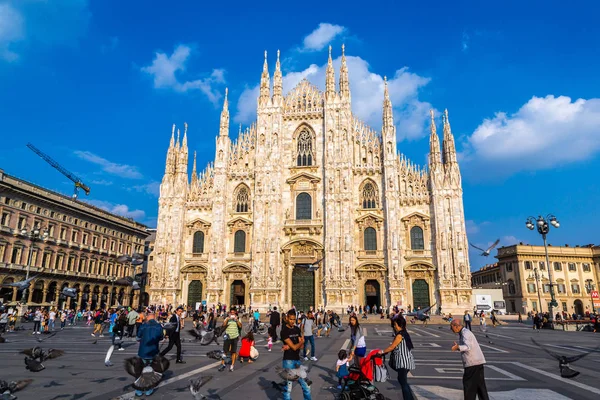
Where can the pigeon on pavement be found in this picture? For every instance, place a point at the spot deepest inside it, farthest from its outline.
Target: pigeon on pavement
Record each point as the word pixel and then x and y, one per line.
pixel 8 388
pixel 196 384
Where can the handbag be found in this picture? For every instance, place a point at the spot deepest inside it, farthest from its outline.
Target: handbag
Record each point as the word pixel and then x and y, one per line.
pixel 381 372
pixel 253 352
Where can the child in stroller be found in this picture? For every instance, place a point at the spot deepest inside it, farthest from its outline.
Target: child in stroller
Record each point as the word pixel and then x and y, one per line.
pixel 359 384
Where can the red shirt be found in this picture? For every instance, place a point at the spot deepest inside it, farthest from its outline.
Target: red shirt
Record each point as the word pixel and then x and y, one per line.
pixel 245 349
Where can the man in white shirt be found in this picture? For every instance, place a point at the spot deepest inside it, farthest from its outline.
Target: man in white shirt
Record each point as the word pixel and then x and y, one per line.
pixel 473 361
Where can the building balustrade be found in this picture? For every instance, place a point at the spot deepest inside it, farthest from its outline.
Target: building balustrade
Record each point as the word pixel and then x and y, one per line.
pixel 417 254
pixel 370 254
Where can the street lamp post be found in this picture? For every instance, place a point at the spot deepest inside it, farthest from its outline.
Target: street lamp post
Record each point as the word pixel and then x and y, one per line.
pixel 543 227
pixel 33 235
pixel 589 286
pixel 537 277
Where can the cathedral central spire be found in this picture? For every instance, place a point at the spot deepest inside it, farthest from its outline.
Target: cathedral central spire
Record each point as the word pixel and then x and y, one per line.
pixel 330 79
pixel 388 115
pixel 224 127
pixel 344 82
pixel 265 89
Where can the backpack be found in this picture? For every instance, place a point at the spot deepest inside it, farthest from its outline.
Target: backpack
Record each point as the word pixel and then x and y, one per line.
pixel 381 373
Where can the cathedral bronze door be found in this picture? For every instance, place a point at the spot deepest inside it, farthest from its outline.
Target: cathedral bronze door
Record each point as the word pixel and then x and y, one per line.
pixel 303 289
pixel 420 291
pixel 194 293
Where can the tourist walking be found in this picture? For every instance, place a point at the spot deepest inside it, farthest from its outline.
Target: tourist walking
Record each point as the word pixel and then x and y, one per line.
pixel 149 335
pixel 175 335
pixel 341 367
pixel 473 361
pixel 117 331
pixel 308 326
pixel 467 319
pixel 293 341
pixel 401 359
pixel 274 321
pixel 232 327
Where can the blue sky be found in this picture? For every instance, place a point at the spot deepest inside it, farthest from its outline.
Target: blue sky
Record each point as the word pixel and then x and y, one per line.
pixel 98 84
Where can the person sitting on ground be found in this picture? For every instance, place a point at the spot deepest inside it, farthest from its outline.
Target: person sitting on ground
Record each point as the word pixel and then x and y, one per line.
pixel 246 346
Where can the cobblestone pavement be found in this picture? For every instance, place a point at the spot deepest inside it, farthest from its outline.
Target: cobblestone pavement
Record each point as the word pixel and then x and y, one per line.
pixel 516 368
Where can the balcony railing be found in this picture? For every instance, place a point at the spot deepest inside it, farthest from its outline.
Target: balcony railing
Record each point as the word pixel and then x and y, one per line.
pixel 370 254
pixel 410 253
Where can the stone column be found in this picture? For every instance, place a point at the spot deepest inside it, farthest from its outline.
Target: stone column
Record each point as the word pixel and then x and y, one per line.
pixel 29 294
pixel 14 294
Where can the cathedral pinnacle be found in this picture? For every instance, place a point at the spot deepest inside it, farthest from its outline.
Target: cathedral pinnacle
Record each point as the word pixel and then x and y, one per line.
pixel 330 78
pixel 172 142
pixel 344 83
pixel 388 116
pixel 194 173
pixel 184 142
pixel 177 144
pixel 277 81
pixel 224 127
pixel 434 145
pixel 265 89
pixel 449 147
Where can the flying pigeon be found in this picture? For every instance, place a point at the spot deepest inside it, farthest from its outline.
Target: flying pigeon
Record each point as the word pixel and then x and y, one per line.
pixel 37 356
pixel 40 340
pixel 129 281
pixel 196 384
pixel 486 253
pixel 134 259
pixel 205 337
pixel 8 388
pixel 21 285
pixel 147 375
pixel 564 361
pixel 420 315
pixel 69 292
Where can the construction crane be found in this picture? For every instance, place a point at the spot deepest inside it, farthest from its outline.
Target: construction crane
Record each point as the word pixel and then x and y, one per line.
pixel 78 183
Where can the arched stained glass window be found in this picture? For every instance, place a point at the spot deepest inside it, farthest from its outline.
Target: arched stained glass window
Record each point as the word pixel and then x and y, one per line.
pixel 242 199
pixel 305 149
pixel 369 196
pixel 303 206
pixel 239 242
pixel 370 238
pixel 416 238
pixel 198 247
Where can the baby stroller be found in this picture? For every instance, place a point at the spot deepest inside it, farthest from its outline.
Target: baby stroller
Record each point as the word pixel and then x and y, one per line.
pixel 359 383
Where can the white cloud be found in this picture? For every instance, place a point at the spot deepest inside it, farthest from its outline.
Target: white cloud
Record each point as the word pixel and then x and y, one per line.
pixel 101 182
pixel 164 68
pixel 11 31
pixel 122 170
pixel 151 188
pixel 508 241
pixel 465 41
pixel 411 114
pixel 118 209
pixel 543 133
pixel 322 36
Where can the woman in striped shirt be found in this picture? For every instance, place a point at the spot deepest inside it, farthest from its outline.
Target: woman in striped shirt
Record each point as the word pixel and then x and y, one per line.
pixel 401 359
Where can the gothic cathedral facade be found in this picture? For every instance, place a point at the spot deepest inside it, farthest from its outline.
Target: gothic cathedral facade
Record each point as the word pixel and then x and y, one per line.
pixel 311 207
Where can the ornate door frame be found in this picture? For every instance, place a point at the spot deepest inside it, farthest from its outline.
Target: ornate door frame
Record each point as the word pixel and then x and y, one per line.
pixel 302 251
pixel 371 271
pixel 236 272
pixel 193 272
pixel 420 270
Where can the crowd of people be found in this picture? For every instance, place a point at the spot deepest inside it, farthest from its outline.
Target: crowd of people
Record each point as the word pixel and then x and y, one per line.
pixel 295 330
